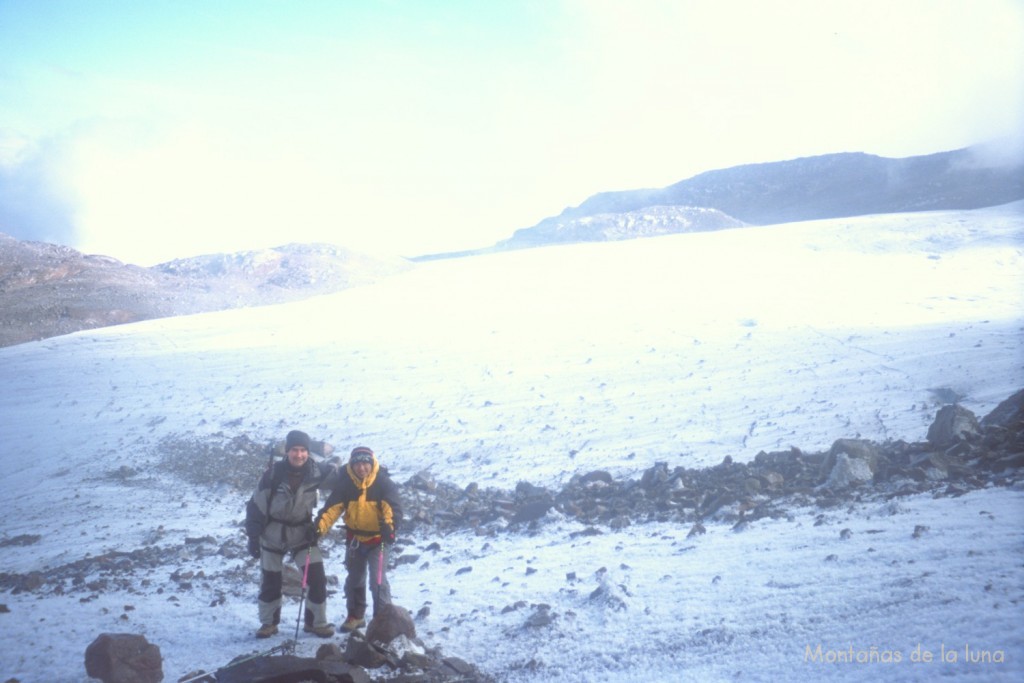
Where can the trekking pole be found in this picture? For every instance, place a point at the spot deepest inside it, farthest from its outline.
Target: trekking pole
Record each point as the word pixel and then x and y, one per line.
pixel 302 600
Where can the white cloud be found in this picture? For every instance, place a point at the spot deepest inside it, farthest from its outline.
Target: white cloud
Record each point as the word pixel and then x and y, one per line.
pixel 431 130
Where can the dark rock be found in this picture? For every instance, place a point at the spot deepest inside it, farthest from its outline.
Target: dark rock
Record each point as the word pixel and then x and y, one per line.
pixel 330 651
pixel 415 660
pixel 1009 414
pixel 519 604
pixel 952 424
pixel 655 476
pixel 542 616
pixel 459 666
pixel 390 622
pixel 123 658
pixel 406 559
pixel 22 539
pixel 935 466
pixel 1014 461
pixel 361 652
pixel 531 511
pixel 525 490
pixel 595 477
pixel 291 669
pixel 422 480
pixel 859 465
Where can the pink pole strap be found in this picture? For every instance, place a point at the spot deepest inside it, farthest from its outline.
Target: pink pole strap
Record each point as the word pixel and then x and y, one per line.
pixel 380 564
pixel 305 572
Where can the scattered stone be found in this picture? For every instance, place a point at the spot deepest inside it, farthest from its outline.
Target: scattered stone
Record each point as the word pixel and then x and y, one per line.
pixel 519 604
pixel 541 616
pixel 21 540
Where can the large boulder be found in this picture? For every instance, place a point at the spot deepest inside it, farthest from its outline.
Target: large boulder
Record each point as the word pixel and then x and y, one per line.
pixel 953 424
pixel 389 622
pixel 124 658
pixel 849 462
pixel 1009 414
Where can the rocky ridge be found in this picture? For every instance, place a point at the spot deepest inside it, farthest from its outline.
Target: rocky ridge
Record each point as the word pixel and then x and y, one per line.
pixel 48 290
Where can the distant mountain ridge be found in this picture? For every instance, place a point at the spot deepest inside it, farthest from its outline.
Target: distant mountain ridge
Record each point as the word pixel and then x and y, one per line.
pixel 808 188
pixel 48 290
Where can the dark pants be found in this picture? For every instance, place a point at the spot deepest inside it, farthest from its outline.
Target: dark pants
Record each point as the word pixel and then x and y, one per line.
pixel 360 561
pixel 270 587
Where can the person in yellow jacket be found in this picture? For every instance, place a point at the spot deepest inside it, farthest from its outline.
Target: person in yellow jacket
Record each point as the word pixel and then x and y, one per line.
pixel 369 503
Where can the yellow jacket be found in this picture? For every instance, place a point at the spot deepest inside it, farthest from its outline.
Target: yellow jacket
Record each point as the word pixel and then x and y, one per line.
pixel 365 505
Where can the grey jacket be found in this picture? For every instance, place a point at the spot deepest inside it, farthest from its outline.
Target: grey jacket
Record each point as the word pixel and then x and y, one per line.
pixel 279 516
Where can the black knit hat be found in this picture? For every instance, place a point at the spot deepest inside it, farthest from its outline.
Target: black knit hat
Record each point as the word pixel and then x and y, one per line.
pixel 361 454
pixel 296 438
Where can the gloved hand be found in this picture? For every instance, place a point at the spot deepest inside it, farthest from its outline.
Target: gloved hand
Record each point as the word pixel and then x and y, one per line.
pixel 254 547
pixel 312 533
pixel 387 533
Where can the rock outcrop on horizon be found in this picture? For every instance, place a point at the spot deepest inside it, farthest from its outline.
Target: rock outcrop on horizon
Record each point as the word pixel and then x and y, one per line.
pixel 48 290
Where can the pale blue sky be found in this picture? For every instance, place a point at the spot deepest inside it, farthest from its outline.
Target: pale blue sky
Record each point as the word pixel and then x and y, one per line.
pixel 156 130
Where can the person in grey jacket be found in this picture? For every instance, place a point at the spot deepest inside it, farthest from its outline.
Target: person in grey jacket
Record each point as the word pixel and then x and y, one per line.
pixel 278 522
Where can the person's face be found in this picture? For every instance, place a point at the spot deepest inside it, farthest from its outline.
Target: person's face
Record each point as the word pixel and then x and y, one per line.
pixel 297 456
pixel 361 469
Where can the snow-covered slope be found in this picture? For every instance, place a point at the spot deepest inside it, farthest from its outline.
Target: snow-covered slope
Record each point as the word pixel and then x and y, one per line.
pixel 535 365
